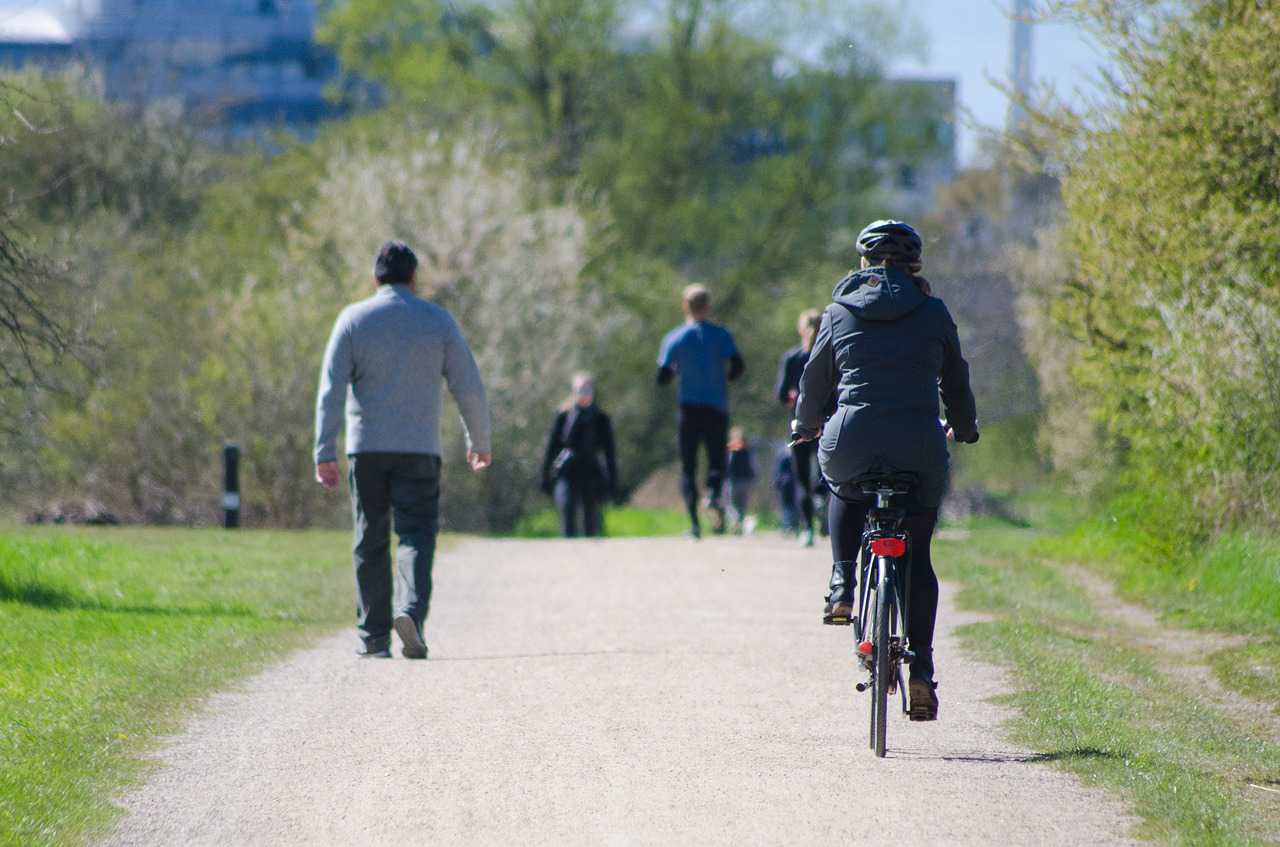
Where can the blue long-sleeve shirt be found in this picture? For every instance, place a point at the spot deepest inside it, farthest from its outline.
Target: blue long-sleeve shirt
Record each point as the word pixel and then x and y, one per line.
pixel 386 361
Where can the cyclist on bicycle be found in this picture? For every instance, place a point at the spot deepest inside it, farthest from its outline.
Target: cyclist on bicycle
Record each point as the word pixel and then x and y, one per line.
pixel 885 347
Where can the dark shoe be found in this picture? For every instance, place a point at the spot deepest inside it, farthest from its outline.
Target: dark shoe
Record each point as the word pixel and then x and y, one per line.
pixel 413 647
pixel 718 522
pixel 374 652
pixel 839 608
pixel 924 699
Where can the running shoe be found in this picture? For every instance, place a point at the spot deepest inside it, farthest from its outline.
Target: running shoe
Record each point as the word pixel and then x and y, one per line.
pixel 718 522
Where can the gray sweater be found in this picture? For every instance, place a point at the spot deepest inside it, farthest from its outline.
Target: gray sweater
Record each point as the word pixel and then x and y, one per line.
pixel 385 362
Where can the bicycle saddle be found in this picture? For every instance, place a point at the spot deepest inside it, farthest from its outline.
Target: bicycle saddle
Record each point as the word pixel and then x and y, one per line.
pixel 897 482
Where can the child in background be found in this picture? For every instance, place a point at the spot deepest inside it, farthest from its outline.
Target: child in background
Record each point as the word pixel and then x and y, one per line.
pixel 741 478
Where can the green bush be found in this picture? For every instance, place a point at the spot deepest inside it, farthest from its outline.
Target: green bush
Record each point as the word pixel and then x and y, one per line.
pixel 1171 229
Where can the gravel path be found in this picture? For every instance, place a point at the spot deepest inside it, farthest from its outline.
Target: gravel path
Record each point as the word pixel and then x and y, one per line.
pixel 623 691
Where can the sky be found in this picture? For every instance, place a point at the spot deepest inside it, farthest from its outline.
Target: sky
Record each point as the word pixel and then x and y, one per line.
pixel 968 40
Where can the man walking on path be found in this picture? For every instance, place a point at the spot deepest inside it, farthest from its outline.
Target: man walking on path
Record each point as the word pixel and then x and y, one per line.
pixel 384 365
pixel 706 358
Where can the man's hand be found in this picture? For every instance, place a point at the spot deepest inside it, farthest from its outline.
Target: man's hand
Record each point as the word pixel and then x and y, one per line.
pixel 479 461
pixel 327 475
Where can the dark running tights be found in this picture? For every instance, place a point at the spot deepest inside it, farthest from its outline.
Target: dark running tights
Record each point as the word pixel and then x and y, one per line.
pixel 847 522
pixel 705 427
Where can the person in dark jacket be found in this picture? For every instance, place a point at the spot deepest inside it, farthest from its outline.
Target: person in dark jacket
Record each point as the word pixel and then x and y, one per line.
pixel 787 390
pixel 579 468
pixel 886 347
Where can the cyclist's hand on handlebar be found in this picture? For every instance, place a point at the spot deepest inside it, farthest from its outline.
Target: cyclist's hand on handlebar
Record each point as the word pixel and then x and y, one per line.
pixel 800 435
pixel 327 475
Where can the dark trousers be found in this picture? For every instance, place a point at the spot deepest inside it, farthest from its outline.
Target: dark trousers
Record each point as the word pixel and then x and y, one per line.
pixel 702 426
pixel 847 520
pixel 573 496
pixel 405 486
pixel 802 456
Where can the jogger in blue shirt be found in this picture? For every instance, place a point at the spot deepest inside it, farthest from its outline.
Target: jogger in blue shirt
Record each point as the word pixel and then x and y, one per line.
pixel 706 358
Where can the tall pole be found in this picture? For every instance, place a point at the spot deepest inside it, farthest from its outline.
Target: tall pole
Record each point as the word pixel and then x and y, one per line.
pixel 1020 67
pixel 1021 188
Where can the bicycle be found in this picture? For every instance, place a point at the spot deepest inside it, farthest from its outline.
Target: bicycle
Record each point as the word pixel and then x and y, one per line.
pixel 884 594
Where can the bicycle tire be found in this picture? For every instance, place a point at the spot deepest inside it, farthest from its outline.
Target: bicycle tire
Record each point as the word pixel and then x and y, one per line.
pixel 867 628
pixel 883 661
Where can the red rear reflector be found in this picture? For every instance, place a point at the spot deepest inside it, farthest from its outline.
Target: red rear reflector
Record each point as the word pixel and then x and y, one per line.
pixel 893 547
pixel 865 648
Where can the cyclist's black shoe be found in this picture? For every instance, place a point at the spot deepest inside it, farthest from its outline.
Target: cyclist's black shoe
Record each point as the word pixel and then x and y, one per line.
pixel 839 608
pixel 374 652
pixel 695 532
pixel 924 699
pixel 413 647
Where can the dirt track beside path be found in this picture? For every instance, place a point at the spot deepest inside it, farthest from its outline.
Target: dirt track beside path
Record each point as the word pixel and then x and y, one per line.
pixel 621 691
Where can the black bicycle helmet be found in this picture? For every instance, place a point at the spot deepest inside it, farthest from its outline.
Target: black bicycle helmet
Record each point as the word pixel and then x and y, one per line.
pixel 891 241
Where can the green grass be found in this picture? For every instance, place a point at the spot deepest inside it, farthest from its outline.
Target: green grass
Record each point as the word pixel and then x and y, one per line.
pixel 1229 584
pixel 105 635
pixel 621 522
pixel 1100 707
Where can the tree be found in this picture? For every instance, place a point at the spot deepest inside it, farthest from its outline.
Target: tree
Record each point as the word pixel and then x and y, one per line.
pixel 1171 229
pixel 36 329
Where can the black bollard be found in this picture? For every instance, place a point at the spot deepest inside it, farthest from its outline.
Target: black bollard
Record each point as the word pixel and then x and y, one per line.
pixel 231 484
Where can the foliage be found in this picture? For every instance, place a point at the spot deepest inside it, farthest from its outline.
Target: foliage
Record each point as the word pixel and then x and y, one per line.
pixel 1170 302
pixel 94 194
pixel 171 615
pixel 708 151
pixel 238 353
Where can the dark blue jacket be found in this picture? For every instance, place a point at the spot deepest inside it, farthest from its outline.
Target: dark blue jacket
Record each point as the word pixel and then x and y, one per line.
pixel 886 349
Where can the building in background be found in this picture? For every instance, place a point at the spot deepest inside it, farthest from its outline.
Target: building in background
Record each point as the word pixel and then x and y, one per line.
pixel 918 156
pixel 34 38
pixel 235 67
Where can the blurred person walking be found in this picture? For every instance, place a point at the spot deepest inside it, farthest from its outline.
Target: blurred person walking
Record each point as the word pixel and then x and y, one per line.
pixel 741 479
pixel 706 358
pixel 784 483
pixel 790 367
pixel 579 468
pixel 888 348
pixel 386 360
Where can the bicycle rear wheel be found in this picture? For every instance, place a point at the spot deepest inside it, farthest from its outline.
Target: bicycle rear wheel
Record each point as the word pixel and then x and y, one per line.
pixel 883 662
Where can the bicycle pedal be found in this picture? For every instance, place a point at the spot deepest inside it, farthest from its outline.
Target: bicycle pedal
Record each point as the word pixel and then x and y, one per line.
pixel 836 621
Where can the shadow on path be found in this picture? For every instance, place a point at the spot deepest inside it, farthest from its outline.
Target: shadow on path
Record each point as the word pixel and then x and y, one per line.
pixel 1004 756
